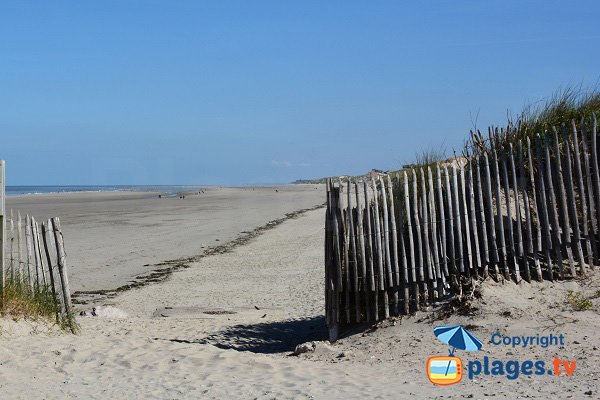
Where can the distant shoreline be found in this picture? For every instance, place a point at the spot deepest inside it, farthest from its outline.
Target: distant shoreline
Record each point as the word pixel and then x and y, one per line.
pixel 26 190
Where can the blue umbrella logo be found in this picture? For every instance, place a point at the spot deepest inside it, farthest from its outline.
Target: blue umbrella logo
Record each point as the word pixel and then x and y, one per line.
pixel 457 337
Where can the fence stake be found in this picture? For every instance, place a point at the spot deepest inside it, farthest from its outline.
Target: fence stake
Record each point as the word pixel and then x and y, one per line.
pixel 482 217
pixel 62 266
pixel 582 197
pixel 556 243
pixel 372 252
pixel 46 241
pixel 2 225
pixel 526 209
pixel 499 214
pixel 440 197
pixel 562 202
pixel 451 245
pixel 411 243
pixel 19 246
pixel 353 267
pixel 361 245
pixel 509 219
pixel 518 213
pixel 12 247
pixel 545 218
pixel 400 230
pixel 394 249
pixel 380 250
pixel 590 192
pixel 572 207
pixel 29 253
pixel 596 176
pixel 464 215
pixel 388 257
pixel 434 235
pixel 490 215
pixel 471 195
pixel 419 237
pixel 430 282
pixel 457 220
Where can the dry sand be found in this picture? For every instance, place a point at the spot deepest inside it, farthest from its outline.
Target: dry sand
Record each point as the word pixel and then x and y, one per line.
pixel 224 328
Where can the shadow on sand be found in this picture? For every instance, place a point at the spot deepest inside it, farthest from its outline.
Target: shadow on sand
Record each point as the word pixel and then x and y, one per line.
pixel 268 337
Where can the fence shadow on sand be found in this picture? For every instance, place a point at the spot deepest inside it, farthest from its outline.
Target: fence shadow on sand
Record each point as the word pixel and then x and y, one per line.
pixel 268 337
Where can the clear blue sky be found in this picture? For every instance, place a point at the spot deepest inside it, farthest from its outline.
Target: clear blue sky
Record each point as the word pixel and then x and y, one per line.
pixel 234 92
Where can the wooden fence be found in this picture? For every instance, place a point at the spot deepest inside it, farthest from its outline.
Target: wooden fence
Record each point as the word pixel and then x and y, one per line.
pixel 33 257
pixel 398 242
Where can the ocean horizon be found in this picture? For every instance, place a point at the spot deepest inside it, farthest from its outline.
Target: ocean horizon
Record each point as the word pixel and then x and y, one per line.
pixel 46 189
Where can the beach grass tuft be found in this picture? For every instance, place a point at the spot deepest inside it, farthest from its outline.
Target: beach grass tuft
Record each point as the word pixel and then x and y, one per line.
pixel 579 301
pixel 564 106
pixel 18 301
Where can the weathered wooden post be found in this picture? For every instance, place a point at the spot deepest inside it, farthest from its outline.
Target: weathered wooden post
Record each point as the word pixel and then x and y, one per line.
pixel 61 263
pixel 2 224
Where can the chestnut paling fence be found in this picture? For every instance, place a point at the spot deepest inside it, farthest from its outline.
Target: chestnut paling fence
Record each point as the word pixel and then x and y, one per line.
pixel 32 256
pixel 525 212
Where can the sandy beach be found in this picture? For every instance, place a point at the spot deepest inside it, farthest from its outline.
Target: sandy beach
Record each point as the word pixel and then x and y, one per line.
pixel 225 328
pixel 113 237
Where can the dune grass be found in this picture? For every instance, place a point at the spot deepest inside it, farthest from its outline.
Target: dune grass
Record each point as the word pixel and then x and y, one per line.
pixel 18 300
pixel 562 108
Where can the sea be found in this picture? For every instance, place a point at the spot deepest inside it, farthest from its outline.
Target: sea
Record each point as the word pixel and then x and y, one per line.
pixel 169 190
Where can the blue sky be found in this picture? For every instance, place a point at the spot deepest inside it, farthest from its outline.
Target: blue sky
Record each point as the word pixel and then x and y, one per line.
pixel 239 92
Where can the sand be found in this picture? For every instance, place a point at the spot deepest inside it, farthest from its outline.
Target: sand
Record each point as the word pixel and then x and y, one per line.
pixel 225 327
pixel 113 237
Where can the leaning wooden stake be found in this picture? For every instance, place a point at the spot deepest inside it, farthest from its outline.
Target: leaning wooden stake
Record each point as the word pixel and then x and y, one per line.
pixel 62 266
pixel 390 272
pixel 46 227
pixel 36 255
